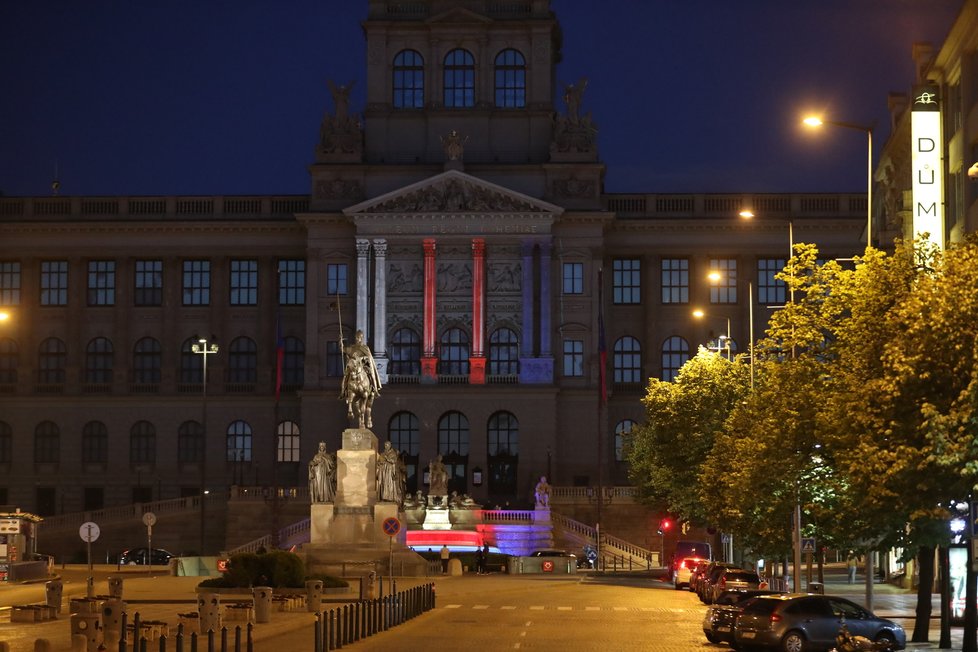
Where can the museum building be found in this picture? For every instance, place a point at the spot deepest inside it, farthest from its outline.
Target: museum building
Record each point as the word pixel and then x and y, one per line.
pixel 161 346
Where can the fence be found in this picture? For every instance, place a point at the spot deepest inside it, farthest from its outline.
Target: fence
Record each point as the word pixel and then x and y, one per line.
pixel 349 623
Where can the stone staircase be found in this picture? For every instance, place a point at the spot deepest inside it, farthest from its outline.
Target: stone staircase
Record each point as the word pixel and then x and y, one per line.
pixel 615 553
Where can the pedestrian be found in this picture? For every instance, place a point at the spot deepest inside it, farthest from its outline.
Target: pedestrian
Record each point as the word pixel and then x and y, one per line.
pixel 480 561
pixel 444 559
pixel 851 563
pixel 485 558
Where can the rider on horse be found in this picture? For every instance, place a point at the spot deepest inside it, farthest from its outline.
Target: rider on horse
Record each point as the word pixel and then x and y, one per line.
pixel 361 381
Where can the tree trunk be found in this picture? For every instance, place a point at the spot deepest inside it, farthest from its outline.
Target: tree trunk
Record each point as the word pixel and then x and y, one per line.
pixel 969 642
pixel 925 588
pixel 945 578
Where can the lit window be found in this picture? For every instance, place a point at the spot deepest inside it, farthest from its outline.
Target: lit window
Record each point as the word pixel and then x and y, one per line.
pixel 336 279
pixel 724 290
pixel 408 80
pixel 287 442
pixel 573 278
pixel 510 79
pixel 244 283
pixel 627 282
pixel 459 79
pixel 675 280
pixel 628 361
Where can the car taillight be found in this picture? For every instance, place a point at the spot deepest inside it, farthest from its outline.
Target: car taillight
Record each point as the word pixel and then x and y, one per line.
pixel 775 618
pixel 723 583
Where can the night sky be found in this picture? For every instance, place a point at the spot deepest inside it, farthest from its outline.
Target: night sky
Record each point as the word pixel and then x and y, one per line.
pixel 135 97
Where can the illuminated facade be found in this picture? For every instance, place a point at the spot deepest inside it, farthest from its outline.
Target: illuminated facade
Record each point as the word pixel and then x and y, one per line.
pixel 459 220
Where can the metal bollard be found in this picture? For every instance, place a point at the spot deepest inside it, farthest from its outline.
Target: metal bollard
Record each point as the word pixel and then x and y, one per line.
pixel 112 612
pixel 209 611
pixel 262 596
pixel 52 593
pixel 89 628
pixel 314 595
pixel 115 587
pixel 40 645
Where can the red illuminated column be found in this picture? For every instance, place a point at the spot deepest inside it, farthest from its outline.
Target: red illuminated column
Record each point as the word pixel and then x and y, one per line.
pixel 477 363
pixel 429 362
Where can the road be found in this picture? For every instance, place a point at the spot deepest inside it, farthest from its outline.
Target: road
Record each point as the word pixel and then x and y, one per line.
pixel 537 613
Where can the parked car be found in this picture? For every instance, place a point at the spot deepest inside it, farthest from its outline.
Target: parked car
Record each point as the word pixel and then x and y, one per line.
pixel 710 576
pixel 145 556
pixel 795 622
pixel 734 578
pixel 552 552
pixel 683 570
pixel 697 575
pixel 718 624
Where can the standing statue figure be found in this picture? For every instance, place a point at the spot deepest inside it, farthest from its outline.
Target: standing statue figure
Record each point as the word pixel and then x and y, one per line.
pixel 454 146
pixel 437 478
pixel 322 476
pixel 572 98
pixel 341 99
pixel 388 480
pixel 361 382
pixel 542 492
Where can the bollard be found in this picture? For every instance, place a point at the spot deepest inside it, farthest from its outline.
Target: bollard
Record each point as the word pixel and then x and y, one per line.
pixel 112 611
pixel 314 595
pixel 209 611
pixel 115 587
pixel 52 593
pixel 40 645
pixel 88 627
pixel 262 596
pixel 90 588
pixel 368 586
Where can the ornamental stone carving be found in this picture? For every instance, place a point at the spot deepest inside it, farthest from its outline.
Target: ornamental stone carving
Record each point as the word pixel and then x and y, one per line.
pixel 340 133
pixel 347 189
pixel 452 196
pixel 574 133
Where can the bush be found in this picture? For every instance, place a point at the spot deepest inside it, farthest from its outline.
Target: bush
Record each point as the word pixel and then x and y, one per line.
pixel 277 569
pixel 329 582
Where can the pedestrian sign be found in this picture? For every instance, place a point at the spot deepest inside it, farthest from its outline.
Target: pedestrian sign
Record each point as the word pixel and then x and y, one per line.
pixel 808 544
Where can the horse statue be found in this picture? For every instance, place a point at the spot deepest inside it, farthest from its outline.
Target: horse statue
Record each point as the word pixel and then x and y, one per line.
pixel 361 382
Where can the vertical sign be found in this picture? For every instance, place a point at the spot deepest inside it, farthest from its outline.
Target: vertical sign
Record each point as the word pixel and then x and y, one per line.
pixel 928 168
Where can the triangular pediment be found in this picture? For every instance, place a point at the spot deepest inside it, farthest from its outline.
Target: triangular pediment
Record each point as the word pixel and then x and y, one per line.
pixel 458 15
pixel 453 191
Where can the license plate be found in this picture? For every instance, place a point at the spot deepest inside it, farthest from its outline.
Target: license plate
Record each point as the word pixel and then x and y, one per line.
pixel 723 629
pixel 747 635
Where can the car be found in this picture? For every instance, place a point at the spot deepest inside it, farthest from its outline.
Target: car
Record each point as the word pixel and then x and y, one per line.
pixel 718 624
pixel 734 578
pixel 797 622
pixel 697 575
pixel 145 556
pixel 710 576
pixel 683 570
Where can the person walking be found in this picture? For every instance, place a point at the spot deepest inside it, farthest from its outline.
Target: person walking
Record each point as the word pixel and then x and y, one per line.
pixel 485 558
pixel 851 563
pixel 445 554
pixel 480 561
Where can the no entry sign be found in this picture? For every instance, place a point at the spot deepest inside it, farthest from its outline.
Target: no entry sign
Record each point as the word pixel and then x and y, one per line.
pixel 391 526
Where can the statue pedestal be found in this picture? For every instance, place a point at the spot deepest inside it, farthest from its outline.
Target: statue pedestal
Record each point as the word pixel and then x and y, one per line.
pixel 437 519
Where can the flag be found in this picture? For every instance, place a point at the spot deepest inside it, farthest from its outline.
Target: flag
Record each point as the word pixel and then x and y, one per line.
pixel 602 351
pixel 279 355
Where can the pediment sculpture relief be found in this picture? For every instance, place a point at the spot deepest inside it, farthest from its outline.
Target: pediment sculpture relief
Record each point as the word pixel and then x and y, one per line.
pixel 452 196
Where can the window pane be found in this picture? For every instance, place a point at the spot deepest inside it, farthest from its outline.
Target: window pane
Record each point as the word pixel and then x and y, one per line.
pixel 9 283
pixel 573 357
pixel 675 353
pixel 148 283
pixel 724 290
pixel 54 283
pixel 408 80
pixel 628 361
pixel 336 279
pixel 675 280
pixel 573 278
pixel 769 289
pixel 510 79
pixel 291 282
pixel 627 283
pixel 101 282
pixel 196 282
pixel 459 79
pixel 287 445
pixel 244 283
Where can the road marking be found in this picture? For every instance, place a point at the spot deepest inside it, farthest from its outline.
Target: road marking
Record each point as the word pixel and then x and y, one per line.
pixel 452 606
pixel 592 608
pixel 619 608
pixel 536 608
pixel 481 606
pixel 507 608
pixel 564 608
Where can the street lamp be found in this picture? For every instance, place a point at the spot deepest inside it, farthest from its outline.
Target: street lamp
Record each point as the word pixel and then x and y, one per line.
pixel 715 277
pixel 204 348
pixel 815 121
pixel 699 314
pixel 4 315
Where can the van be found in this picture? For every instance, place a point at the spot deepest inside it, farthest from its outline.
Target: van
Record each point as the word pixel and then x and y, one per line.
pixel 699 549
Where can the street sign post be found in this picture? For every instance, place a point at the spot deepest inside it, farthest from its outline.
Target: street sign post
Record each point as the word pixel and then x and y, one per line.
pixel 89 532
pixel 391 527
pixel 149 520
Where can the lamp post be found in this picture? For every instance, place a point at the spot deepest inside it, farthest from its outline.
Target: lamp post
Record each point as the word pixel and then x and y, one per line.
pixel 815 121
pixel 715 278
pixel 699 314
pixel 203 348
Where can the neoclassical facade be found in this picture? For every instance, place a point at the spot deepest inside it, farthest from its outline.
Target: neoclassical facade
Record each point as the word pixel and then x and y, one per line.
pixel 458 219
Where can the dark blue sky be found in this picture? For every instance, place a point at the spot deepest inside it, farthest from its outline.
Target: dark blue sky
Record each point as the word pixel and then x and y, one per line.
pixel 132 97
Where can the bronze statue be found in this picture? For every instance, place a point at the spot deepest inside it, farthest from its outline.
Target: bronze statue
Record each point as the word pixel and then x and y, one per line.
pixel 361 382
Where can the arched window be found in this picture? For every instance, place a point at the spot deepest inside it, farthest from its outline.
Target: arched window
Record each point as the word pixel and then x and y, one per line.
pixel 47 443
pixel 191 364
pixel 675 353
pixel 242 360
pixel 454 359
pixel 404 435
pixel 408 80
pixel 628 361
pixel 146 361
pixel 510 79
pixel 294 362
pixel 503 442
pixel 51 359
pixel 722 345
pixel 405 353
pixel 142 443
pixel 98 361
pixel 504 353
pixel 6 443
pixel 190 443
pixel 95 443
pixel 287 442
pixel 8 361
pixel 453 446
pixel 622 430
pixel 459 79
pixel 239 442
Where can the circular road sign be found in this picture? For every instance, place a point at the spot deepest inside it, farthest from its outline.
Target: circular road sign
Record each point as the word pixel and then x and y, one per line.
pixel 548 566
pixel 88 531
pixel 149 519
pixel 391 526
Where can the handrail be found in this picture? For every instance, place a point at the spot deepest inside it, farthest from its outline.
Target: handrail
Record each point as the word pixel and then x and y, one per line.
pixel 133 511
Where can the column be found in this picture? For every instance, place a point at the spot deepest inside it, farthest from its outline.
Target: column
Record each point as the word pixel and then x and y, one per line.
pixel 380 307
pixel 363 290
pixel 544 366
pixel 429 362
pixel 526 337
pixel 477 362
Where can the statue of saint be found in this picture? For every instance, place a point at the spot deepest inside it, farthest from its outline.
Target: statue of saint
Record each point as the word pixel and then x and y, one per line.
pixel 388 480
pixel 322 476
pixel 542 492
pixel 572 98
pixel 361 382
pixel 341 99
pixel 454 146
pixel 437 478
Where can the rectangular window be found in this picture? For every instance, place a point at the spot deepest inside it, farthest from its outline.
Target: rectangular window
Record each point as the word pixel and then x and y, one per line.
pixel 334 360
pixel 724 289
pixel 336 279
pixel 9 283
pixel 292 282
pixel 148 283
pixel 244 282
pixel 770 291
pixel 675 280
pixel 627 283
pixel 573 278
pixel 101 282
pixel 196 282
pixel 573 357
pixel 54 283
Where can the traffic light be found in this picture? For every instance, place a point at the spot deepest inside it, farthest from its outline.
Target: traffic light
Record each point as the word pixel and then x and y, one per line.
pixel 665 525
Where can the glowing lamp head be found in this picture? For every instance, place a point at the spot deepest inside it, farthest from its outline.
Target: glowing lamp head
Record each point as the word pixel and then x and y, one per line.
pixel 699 314
pixel 813 121
pixel 746 214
